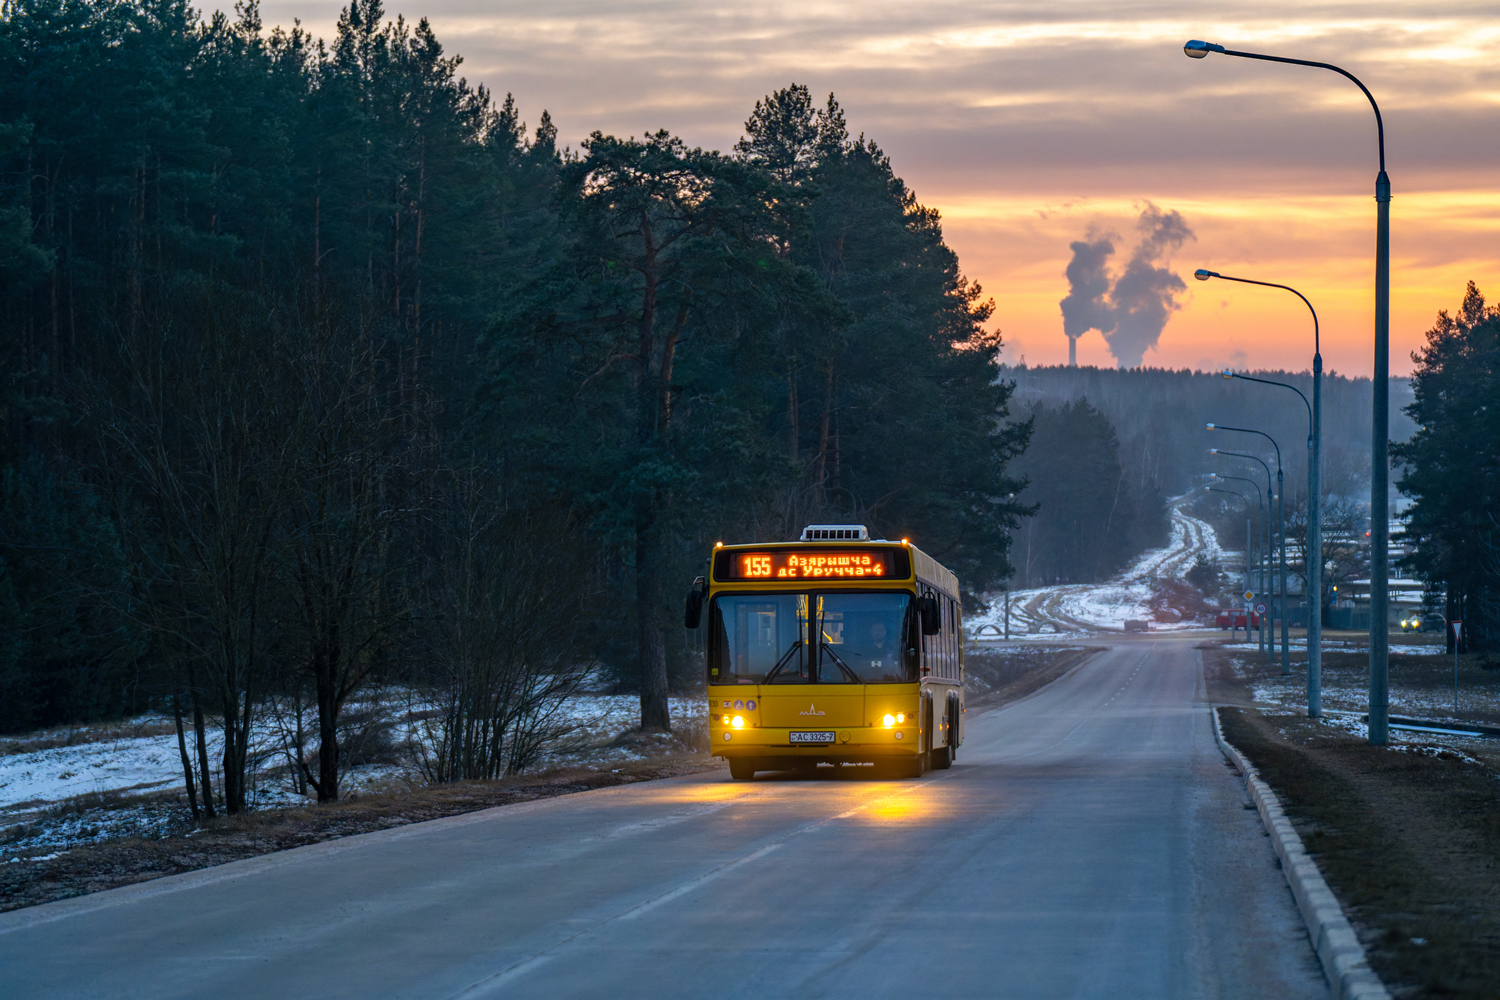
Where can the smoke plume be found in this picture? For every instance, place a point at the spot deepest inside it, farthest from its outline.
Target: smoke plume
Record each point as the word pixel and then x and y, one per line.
pixel 1132 308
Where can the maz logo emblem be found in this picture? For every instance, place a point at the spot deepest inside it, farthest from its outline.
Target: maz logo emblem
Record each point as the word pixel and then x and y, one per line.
pixel 812 710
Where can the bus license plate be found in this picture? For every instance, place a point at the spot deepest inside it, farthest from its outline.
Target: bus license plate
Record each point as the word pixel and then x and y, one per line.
pixel 812 737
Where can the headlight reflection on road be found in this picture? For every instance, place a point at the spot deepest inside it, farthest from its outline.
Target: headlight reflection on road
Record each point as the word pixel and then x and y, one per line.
pixel 902 810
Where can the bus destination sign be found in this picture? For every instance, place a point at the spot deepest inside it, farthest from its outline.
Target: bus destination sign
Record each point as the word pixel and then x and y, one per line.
pixel 863 564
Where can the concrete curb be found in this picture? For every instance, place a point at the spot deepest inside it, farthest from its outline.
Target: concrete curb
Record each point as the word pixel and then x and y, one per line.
pixel 1343 957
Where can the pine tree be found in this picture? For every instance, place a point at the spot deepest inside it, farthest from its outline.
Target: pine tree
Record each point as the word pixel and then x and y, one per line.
pixel 1451 465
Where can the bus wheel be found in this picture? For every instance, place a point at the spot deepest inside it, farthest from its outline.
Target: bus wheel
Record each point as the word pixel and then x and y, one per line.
pixel 741 769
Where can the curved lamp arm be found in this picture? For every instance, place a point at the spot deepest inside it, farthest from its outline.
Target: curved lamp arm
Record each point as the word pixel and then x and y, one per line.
pixel 1260 503
pixel 1246 430
pixel 1199 50
pixel 1253 458
pixel 1203 274
pixel 1227 373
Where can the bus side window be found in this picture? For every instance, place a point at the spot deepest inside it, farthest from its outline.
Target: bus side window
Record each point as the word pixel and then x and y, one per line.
pixel 958 631
pixel 947 637
pixel 952 640
pixel 918 641
pixel 943 639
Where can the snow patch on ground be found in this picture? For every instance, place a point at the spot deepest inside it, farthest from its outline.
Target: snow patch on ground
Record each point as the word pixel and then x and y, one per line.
pixel 106 789
pixel 145 763
pixel 1341 646
pixel 1345 696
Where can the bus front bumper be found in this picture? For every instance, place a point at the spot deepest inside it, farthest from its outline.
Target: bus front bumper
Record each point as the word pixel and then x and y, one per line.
pixel 848 744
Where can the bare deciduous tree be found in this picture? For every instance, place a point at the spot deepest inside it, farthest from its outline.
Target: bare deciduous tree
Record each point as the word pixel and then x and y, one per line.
pixel 199 453
pixel 355 483
pixel 509 635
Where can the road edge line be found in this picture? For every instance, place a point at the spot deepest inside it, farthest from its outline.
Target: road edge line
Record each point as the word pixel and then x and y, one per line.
pixel 1345 965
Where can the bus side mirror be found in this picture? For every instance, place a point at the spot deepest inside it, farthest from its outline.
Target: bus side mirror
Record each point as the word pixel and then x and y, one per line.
pixel 692 613
pixel 932 616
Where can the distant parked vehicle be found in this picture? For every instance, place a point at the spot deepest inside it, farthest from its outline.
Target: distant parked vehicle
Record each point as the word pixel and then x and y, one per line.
pixel 1430 621
pixel 1236 619
pixel 1134 625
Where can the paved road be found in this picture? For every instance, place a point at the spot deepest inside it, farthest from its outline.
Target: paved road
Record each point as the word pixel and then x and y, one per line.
pixel 1090 842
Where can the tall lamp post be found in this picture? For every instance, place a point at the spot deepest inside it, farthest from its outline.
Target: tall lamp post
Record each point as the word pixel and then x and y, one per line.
pixel 1313 563
pixel 1260 506
pixel 1242 498
pixel 1270 509
pixel 1380 404
pixel 1286 657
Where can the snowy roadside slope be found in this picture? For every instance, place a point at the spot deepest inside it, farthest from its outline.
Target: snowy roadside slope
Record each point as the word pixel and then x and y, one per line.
pixel 145 763
pixel 1105 607
pixel 148 764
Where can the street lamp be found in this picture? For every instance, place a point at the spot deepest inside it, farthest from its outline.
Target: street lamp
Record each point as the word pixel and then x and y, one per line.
pixel 1266 520
pixel 1314 560
pixel 1286 657
pixel 1260 506
pixel 1379 724
pixel 1241 497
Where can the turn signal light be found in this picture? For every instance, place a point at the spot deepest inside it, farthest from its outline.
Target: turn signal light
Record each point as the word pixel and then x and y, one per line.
pixel 738 722
pixel 726 720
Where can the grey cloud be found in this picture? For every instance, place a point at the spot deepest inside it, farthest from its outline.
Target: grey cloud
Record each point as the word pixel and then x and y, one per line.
pixel 950 89
pixel 1130 309
pixel 1086 307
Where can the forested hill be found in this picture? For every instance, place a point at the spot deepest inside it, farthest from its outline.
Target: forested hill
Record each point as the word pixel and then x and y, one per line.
pixel 1159 417
pixel 322 368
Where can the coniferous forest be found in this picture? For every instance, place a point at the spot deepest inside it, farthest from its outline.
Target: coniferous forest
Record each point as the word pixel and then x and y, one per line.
pixel 323 368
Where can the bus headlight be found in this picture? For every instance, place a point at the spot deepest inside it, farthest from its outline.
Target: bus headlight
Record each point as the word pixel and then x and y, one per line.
pixel 900 716
pixel 888 721
pixel 738 722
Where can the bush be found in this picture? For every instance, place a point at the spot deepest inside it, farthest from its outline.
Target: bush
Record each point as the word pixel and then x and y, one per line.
pixel 1178 601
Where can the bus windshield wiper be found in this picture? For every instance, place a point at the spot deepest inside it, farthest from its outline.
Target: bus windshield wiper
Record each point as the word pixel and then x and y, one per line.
pixel 848 671
pixel 781 662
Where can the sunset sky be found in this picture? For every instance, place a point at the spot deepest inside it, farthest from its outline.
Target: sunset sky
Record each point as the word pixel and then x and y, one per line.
pixel 1031 125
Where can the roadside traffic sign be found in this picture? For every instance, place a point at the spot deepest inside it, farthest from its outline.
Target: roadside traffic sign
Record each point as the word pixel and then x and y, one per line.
pixel 1260 609
pixel 1249 595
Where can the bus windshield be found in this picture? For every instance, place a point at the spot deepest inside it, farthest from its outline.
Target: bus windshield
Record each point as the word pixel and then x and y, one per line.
pixel 861 638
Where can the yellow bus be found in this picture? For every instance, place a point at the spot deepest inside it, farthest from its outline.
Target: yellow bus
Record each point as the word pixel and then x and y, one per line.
pixel 833 649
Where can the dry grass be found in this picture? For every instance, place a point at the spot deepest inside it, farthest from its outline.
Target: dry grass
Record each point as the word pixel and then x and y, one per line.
pixel 72 736
pixel 1409 839
pixel 1421 687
